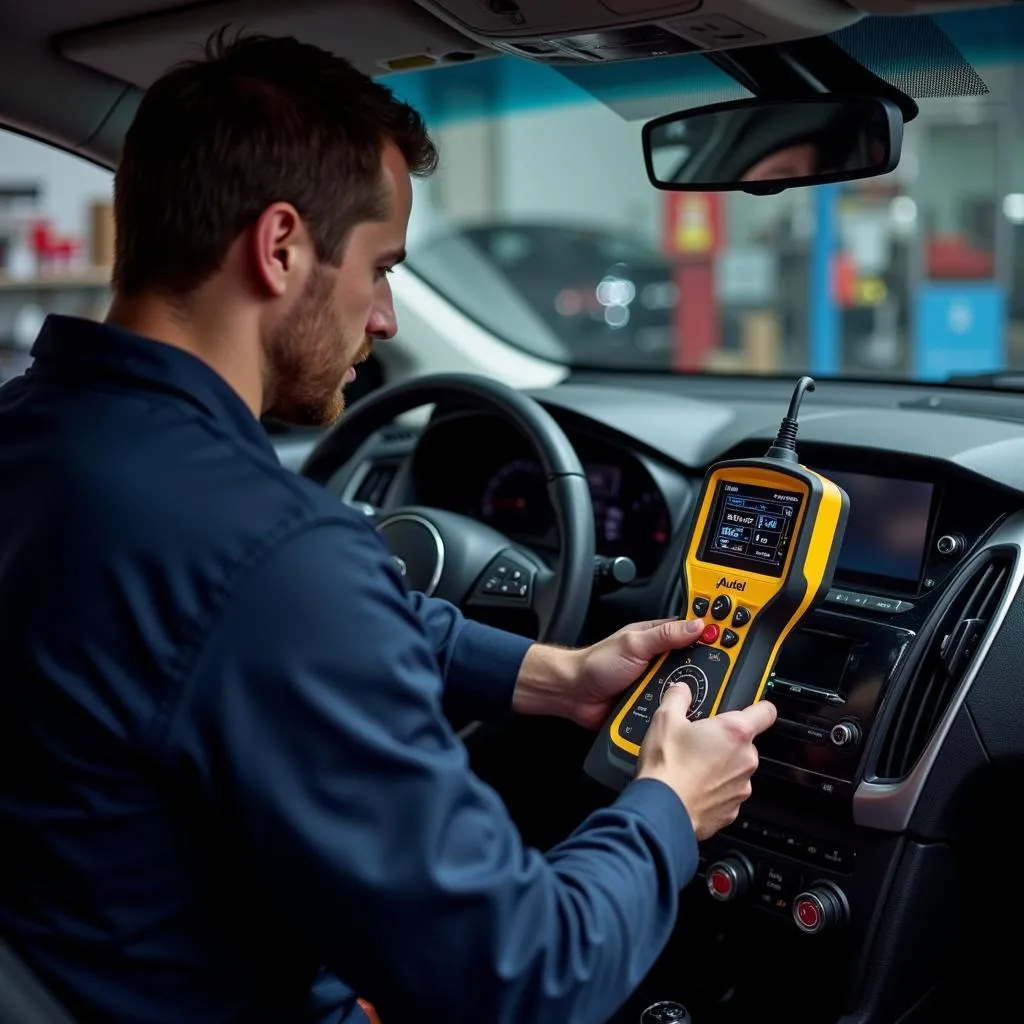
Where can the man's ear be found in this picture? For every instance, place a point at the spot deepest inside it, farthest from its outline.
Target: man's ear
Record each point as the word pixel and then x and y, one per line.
pixel 280 248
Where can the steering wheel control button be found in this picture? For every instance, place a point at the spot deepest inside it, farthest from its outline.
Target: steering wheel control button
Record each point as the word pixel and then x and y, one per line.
pixel 506 580
pixel 710 634
pixel 700 607
pixel 721 607
pixel 741 617
pixel 729 878
pixel 822 906
pixel 730 639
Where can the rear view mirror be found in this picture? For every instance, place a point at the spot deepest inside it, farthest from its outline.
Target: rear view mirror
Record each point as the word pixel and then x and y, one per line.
pixel 764 146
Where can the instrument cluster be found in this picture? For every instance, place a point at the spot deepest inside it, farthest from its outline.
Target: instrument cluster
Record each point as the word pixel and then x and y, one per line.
pixel 503 486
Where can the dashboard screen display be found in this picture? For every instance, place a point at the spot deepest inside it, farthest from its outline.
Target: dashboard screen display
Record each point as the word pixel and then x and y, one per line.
pixel 750 527
pixel 887 531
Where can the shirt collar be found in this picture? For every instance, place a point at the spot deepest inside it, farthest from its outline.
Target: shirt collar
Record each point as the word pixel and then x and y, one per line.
pixel 67 342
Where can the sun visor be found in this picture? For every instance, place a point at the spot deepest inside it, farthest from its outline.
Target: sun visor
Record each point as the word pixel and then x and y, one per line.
pixel 378 36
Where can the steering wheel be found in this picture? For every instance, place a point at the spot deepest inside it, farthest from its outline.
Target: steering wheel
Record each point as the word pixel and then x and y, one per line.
pixel 460 559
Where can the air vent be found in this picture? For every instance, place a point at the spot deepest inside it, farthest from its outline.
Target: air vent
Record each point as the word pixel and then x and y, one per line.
pixel 374 486
pixel 393 434
pixel 953 645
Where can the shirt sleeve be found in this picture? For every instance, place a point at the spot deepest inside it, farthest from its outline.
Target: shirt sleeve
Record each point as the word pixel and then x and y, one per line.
pixel 479 664
pixel 313 719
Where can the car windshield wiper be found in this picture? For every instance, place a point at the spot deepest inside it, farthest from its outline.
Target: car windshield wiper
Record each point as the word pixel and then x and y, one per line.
pixel 1002 380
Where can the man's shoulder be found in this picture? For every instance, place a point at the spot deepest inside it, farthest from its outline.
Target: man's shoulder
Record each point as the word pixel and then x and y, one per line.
pixel 184 497
pixel 234 499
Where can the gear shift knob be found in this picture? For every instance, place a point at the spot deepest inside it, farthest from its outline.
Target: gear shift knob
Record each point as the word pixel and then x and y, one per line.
pixel 666 1012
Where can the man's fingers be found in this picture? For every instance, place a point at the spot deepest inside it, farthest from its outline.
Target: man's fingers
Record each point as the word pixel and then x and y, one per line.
pixel 676 699
pixel 641 627
pixel 760 716
pixel 668 635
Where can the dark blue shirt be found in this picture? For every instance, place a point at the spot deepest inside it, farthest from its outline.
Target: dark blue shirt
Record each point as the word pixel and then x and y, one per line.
pixel 229 790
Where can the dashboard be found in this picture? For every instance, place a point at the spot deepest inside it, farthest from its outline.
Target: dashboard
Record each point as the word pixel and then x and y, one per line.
pixel 900 736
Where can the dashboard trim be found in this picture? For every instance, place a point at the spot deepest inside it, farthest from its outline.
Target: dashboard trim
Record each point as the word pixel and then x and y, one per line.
pixel 890 806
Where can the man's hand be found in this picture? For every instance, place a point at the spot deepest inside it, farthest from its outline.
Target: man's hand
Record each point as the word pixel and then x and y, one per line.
pixel 708 764
pixel 584 685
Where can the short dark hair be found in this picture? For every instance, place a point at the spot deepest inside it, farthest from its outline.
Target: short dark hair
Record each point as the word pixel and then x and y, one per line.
pixel 255 121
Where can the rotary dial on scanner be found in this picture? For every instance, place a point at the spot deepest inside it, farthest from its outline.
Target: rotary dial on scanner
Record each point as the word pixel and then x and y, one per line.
pixel 695 679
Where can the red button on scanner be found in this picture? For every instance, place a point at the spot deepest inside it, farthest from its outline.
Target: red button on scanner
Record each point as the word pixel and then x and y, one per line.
pixel 710 634
pixel 721 882
pixel 810 916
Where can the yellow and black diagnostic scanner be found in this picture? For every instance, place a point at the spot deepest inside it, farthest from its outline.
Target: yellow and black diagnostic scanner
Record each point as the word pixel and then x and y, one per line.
pixel 760 556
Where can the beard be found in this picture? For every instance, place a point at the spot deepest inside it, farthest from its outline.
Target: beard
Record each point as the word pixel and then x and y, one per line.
pixel 306 359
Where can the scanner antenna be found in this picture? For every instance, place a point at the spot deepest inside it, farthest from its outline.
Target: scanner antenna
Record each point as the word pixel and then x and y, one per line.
pixel 784 445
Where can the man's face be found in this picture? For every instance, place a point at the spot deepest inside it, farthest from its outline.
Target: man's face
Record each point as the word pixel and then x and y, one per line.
pixel 342 311
pixel 797 161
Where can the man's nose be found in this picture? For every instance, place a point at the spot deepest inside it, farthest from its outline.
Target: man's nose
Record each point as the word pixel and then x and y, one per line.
pixel 383 324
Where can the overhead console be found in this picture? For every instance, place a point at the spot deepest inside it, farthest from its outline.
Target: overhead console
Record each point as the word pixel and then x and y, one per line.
pixel 596 31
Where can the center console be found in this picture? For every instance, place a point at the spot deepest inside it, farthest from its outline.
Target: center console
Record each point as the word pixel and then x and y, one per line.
pixel 833 673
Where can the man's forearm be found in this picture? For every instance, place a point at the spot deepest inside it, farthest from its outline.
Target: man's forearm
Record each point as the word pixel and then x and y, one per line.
pixel 481 666
pixel 487 669
pixel 543 686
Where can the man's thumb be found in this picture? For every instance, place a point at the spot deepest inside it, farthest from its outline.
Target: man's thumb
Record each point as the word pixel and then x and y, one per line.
pixel 676 699
pixel 667 636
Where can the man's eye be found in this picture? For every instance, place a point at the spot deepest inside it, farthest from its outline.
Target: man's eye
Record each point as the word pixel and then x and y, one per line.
pixel 384 271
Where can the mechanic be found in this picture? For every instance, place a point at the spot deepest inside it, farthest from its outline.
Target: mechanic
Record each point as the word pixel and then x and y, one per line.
pixel 230 790
pixel 798 160
pixel 844 146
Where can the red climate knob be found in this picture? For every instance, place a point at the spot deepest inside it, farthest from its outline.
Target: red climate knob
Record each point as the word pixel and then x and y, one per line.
pixel 808 914
pixel 729 877
pixel 820 907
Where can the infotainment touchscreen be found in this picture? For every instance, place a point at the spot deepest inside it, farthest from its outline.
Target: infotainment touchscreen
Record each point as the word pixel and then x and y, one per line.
pixel 887 532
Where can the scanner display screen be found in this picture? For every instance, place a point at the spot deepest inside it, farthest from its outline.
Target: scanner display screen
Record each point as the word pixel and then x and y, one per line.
pixel 750 527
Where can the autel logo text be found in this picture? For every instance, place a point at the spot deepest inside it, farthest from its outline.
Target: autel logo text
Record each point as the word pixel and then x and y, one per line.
pixel 731 584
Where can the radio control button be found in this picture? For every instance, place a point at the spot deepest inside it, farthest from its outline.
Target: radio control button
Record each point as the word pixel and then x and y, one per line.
pixel 843 734
pixel 741 617
pixel 710 634
pixel 730 639
pixel 722 606
pixel 700 606
pixel 950 544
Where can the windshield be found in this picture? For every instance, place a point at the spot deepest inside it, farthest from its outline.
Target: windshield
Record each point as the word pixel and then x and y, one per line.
pixel 541 224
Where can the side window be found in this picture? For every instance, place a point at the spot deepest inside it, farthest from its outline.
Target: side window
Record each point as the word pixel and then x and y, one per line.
pixel 56 242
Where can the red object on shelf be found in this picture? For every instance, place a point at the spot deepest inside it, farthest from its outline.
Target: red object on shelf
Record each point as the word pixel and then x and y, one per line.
pixel 50 248
pixel 42 238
